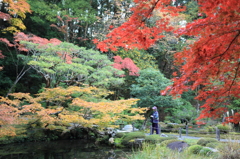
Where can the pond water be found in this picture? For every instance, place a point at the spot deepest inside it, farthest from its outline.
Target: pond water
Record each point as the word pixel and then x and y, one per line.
pixel 67 149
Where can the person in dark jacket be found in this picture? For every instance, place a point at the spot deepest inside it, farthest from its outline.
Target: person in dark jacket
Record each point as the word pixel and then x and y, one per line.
pixel 155 120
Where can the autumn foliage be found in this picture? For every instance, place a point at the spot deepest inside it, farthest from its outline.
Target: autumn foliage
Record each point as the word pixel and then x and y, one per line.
pixel 211 65
pixel 59 108
pixel 126 63
pixel 15 11
pixel 136 33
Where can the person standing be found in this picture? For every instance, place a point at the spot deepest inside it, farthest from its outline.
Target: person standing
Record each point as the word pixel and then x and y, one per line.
pixel 155 120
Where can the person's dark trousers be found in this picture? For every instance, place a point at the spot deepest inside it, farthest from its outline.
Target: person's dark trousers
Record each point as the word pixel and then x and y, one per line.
pixel 155 127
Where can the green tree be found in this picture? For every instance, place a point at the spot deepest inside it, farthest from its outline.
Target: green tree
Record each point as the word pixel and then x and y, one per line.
pixel 67 20
pixel 69 64
pixel 147 88
pixel 184 112
pixel 140 57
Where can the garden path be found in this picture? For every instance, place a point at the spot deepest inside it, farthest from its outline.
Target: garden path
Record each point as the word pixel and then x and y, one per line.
pixel 192 137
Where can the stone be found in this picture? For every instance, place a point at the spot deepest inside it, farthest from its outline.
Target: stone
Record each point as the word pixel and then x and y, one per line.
pixel 111 140
pixel 163 135
pixel 129 128
pixel 177 145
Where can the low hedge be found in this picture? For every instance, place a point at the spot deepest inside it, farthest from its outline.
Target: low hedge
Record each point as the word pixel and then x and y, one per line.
pixel 132 135
pixel 205 141
pixel 195 149
pixel 205 152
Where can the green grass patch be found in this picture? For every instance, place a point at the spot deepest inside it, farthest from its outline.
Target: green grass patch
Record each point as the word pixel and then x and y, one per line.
pixel 131 136
pixel 157 152
pixel 205 141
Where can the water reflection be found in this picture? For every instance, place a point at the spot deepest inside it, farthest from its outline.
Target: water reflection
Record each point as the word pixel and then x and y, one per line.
pixel 73 149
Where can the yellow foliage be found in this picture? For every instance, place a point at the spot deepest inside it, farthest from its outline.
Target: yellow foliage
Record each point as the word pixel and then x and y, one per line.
pixel 10 29
pixel 66 109
pixel 23 96
pixel 110 111
pixel 17 23
pixel 7 131
pixel 17 9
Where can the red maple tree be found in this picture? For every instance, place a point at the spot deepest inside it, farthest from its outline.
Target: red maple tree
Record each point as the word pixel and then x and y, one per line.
pixel 210 65
pixel 125 63
pixel 136 33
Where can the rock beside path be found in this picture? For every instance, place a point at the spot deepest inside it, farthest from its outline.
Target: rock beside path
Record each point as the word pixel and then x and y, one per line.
pixel 178 145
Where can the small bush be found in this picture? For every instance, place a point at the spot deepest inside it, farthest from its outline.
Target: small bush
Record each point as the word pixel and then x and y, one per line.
pixel 205 141
pixel 167 138
pixel 153 138
pixel 20 138
pixel 191 141
pixel 177 126
pixel 194 149
pixel 118 142
pixel 120 135
pixel 205 152
pixel 203 131
pixel 212 144
pixel 229 150
pixel 131 136
pixel 223 128
pixel 169 126
pixel 220 146
pixel 210 129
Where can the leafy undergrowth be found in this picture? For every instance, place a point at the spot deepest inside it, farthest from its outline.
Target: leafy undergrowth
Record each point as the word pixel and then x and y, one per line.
pixel 158 152
pixel 198 149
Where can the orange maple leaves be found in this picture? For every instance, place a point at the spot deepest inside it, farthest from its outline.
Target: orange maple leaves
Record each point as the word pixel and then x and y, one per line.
pixel 16 11
pixel 212 63
pixel 136 33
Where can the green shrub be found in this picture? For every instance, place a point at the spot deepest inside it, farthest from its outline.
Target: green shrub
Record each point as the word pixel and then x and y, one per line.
pixel 5 140
pixel 223 128
pixel 169 126
pixel 103 140
pixel 36 135
pixel 203 131
pixel 210 129
pixel 20 138
pixel 205 141
pixel 220 146
pixel 163 125
pixel 205 152
pixel 194 149
pixel 229 150
pixel 234 133
pixel 131 136
pixel 118 142
pixel 153 138
pixel 212 144
pixel 120 135
pixel 189 131
pixel 190 141
pixel 167 138
pixel 177 126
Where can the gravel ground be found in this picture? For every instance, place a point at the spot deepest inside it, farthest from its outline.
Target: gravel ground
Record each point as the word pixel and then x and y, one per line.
pixel 192 137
